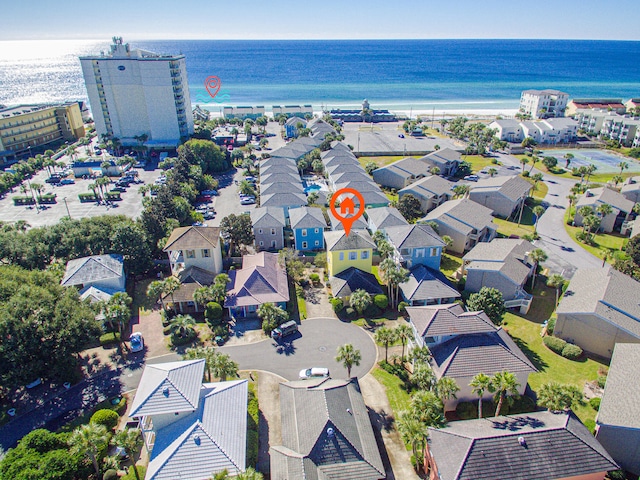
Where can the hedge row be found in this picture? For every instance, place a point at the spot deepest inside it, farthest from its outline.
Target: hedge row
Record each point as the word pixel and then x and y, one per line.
pixel 559 346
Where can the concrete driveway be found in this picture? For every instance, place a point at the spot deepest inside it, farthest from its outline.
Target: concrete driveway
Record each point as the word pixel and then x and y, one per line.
pixel 315 345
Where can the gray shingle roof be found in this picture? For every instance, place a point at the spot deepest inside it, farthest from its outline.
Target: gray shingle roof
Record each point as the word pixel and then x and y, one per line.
pixel 620 406
pixel 606 292
pixel 470 354
pixel 428 187
pixel 462 215
pixel 513 187
pixel 413 236
pixel 346 177
pixel 93 269
pixel 557 445
pixel 281 187
pixel 352 279
pixel 283 200
pixel 268 217
pixel 442 156
pixel 598 196
pixel 404 168
pixel 211 439
pixel 307 217
pixel 361 184
pixel 326 433
pixel 260 280
pixel 427 284
pixel 356 240
pixel 279 174
pixel 338 168
pixel 442 320
pixel 505 255
pixel 336 224
pixel 168 388
pixel 191 279
pixel 275 161
pixel 385 217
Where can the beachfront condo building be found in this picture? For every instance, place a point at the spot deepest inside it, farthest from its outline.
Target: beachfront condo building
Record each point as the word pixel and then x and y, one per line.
pixel 27 129
pixel 138 96
pixel 543 103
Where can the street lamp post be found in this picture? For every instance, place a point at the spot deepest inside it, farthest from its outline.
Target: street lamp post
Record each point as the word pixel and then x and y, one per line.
pixel 67 206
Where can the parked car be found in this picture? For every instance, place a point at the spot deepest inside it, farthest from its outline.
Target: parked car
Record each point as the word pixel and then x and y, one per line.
pixel 53 180
pixel 472 178
pixel 209 215
pixel 137 342
pixel 314 372
pixel 67 181
pixel 119 188
pixel 285 329
pixel 209 192
pixel 247 201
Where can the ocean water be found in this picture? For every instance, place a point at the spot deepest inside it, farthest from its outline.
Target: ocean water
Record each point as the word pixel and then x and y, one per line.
pixel 395 74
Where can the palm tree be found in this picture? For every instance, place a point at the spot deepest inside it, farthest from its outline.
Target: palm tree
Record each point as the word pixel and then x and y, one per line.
pixel 428 408
pixel 584 211
pixel 604 209
pixel 523 162
pixel 590 171
pixel 155 291
pixel 480 383
pixel 130 440
pixel 572 198
pixel 89 439
pixel 223 367
pixel 385 249
pixel 360 300
pixel 421 355
pixel 492 172
pixel 414 432
pixel 567 159
pixel 503 384
pixel 349 357
pixel 616 180
pixel 460 191
pixel 556 281
pixel 557 397
pixel 208 353
pixel 169 286
pixel 537 256
pixel 591 223
pixel 435 170
pixel 448 241
pixel 385 336
pixel 607 254
pixel 423 377
pixel 182 325
pixel 623 166
pixel 446 388
pixel 249 474
pixel 203 295
pixel 404 333
pixel 538 210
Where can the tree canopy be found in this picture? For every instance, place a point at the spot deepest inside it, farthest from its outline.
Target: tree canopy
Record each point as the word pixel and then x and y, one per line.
pixel 490 301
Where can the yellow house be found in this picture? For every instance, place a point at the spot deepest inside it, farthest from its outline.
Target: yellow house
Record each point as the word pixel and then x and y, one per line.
pixel 27 126
pixel 354 250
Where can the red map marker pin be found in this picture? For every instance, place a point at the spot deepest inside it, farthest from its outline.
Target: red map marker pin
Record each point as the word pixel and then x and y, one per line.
pixel 212 84
pixel 347 206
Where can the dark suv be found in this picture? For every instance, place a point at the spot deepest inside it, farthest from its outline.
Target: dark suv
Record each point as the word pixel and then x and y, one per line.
pixel 285 329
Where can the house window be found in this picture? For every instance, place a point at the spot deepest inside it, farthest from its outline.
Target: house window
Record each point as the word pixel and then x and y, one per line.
pixel 317 230
pixel 317 243
pixel 191 254
pixel 304 244
pixel 273 231
pixel 259 230
pixel 404 251
pixel 364 255
pixel 341 255
pixel 273 244
pixel 434 252
pixel 304 232
pixel 353 255
pixel 419 252
pixel 262 244
pixel 206 253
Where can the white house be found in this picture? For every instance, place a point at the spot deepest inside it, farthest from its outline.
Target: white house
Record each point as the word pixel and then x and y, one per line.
pixel 543 103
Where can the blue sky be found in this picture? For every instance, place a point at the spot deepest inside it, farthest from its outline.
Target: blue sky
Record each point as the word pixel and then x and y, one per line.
pixel 326 19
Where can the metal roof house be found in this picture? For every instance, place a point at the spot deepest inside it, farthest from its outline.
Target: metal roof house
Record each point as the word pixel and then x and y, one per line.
pixel 192 429
pixel 103 272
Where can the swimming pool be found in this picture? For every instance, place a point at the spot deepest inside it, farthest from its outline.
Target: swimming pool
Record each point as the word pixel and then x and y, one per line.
pixel 312 188
pixel 607 162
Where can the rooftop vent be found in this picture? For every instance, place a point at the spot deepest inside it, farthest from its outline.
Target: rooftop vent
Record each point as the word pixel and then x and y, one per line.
pixel 522 441
pixel 165 391
pixel 330 432
pixel 196 439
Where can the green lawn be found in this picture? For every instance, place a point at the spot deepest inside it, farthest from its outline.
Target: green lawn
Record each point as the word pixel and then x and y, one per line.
pixel 398 397
pixel 478 162
pixel 602 241
pixel 449 264
pixel 550 366
pixel 560 171
pixel 380 161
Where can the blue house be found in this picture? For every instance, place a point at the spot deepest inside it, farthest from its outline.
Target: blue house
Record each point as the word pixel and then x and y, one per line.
pixel 416 245
pixel 308 225
pixel 291 126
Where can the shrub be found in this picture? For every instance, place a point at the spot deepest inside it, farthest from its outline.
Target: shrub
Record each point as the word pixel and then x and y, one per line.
pixel 467 410
pixel 337 304
pixel 554 344
pixel 166 330
pixel 132 476
pixel 221 331
pixel 177 340
pixel 314 277
pixel 402 307
pixel 110 474
pixel 494 161
pixel 42 441
pixel 602 380
pixel 372 311
pixel 350 312
pixel 595 403
pixel 525 173
pixel 381 301
pixel 551 325
pixel 105 417
pixel 571 351
pixel 213 311
pixel 523 404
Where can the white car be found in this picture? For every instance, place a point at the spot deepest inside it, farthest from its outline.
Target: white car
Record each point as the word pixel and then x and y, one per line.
pixel 247 201
pixel 137 342
pixel 314 372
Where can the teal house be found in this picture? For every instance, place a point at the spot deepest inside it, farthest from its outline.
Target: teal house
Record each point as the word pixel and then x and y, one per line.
pixel 308 225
